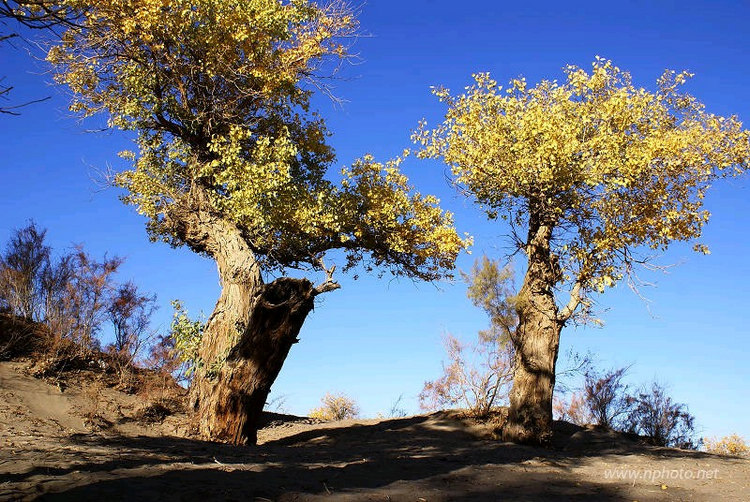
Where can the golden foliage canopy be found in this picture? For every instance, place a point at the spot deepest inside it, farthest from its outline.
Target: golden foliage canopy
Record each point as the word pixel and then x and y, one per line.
pixel 218 93
pixel 611 167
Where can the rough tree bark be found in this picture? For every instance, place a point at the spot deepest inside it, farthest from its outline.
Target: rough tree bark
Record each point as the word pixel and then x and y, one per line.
pixel 536 342
pixel 245 344
pixel 249 334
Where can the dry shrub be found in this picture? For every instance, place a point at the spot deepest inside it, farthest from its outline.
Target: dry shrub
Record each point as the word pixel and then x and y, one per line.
pixel 153 413
pixel 129 312
pixel 475 382
pixel 734 445
pixel 335 407
pixel 663 421
pixel 606 397
pixel 18 337
pixel 479 378
pixel 603 401
pixel 72 296
pixel 58 355
pixel 574 411
pixel 128 378
pixel 606 401
pixel 160 390
pixel 396 411
pixel 21 266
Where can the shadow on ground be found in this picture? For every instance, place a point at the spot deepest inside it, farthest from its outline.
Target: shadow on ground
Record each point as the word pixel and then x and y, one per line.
pixel 418 459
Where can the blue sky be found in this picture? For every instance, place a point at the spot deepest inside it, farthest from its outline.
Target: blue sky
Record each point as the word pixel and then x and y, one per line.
pixel 376 339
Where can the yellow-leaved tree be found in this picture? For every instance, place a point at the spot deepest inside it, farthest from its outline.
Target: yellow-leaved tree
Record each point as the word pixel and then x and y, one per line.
pixel 593 173
pixel 231 162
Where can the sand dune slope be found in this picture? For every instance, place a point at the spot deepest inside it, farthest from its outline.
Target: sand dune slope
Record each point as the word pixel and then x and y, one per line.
pixel 48 452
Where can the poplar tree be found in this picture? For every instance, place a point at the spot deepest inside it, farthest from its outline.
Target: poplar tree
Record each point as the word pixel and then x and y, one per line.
pixel 232 162
pixel 593 174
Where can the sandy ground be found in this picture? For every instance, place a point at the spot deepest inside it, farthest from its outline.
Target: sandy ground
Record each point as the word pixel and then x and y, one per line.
pixel 48 451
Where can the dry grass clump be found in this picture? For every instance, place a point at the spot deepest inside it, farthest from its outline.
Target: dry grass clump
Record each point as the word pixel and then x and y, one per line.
pixel 335 407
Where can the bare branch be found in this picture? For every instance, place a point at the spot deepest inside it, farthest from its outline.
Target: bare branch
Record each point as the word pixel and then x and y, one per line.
pixel 8 110
pixel 575 301
pixel 329 284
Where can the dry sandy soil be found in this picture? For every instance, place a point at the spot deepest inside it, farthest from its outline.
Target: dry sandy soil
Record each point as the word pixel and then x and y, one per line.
pixel 48 451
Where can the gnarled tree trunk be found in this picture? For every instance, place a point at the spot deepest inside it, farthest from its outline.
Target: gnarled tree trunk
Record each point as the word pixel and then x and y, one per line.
pixel 245 344
pixel 249 334
pixel 536 342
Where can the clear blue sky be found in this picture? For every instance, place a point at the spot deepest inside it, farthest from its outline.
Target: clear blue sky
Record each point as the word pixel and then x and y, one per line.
pixel 377 339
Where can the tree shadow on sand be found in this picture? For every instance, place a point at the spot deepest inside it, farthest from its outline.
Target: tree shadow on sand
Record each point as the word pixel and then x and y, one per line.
pixel 428 458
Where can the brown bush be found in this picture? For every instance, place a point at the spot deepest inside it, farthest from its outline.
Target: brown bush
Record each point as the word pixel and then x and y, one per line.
pixel 655 415
pixel 153 413
pixel 475 382
pixel 606 398
pixel 18 337
pixel 574 411
pixel 129 312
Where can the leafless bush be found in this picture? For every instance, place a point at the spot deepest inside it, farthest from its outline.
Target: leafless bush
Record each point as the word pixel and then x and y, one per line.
pixel 89 292
pixel 153 413
pixel 277 404
pixel 478 376
pixel 69 294
pixel 17 336
pixel 574 411
pixel 24 258
pixel 475 381
pixel 396 411
pixel 606 397
pixel 73 295
pixel 57 294
pixel 120 363
pixel 129 312
pixel 163 357
pixel 655 415
pixel 566 378
pixel 157 387
pixel 605 400
pixel 94 410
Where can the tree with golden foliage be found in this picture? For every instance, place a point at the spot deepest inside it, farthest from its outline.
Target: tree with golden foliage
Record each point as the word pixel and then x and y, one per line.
pixel 231 162
pixel 592 174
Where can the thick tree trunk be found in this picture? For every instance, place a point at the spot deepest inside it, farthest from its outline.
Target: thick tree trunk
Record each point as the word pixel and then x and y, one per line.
pixel 244 347
pixel 536 343
pixel 249 334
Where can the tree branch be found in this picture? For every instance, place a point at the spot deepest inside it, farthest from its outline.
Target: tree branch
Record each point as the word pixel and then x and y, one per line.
pixel 575 301
pixel 329 284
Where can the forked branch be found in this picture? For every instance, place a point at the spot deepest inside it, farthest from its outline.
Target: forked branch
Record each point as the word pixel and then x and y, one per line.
pixel 329 284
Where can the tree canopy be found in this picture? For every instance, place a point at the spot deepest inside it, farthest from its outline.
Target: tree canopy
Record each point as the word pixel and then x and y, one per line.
pixel 610 168
pixel 218 92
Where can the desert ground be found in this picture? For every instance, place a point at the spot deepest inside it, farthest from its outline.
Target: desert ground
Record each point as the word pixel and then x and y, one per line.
pixel 87 442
